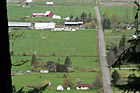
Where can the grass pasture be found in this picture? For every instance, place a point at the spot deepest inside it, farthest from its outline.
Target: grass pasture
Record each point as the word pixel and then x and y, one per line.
pixel 63 11
pixel 55 79
pixel 82 42
pixel 66 2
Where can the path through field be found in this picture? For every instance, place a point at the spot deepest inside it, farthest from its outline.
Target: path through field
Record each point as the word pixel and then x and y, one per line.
pixel 104 65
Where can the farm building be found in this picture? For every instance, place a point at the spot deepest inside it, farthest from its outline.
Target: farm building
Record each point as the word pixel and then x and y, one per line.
pixel 37 15
pixel 45 25
pixel 48 14
pixel 60 88
pixel 83 87
pixel 28 1
pixel 56 17
pixel 44 71
pixel 49 3
pixel 14 24
pixel 73 23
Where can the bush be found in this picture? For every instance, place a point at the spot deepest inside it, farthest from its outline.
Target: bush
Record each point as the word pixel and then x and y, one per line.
pixel 98 83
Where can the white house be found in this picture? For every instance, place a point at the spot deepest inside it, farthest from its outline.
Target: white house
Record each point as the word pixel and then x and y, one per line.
pixel 49 3
pixel 83 87
pixel 28 1
pixel 44 71
pixel 50 25
pixel 60 88
pixel 56 17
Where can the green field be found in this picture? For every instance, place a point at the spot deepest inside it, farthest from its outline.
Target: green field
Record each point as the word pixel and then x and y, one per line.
pixel 80 43
pixel 61 43
pixel 55 79
pixel 63 11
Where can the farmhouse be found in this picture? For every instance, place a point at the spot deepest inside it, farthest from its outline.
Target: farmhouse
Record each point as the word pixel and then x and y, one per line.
pixel 73 23
pixel 48 14
pixel 83 87
pixel 50 25
pixel 37 15
pixel 44 71
pixel 49 3
pixel 16 24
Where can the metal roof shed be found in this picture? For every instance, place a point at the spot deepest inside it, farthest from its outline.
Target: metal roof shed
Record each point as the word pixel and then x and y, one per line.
pixel 14 24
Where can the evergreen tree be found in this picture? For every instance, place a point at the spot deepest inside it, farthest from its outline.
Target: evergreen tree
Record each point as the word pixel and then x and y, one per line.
pixel 68 61
pixel 34 60
pixel 122 43
pixel 131 78
pixel 115 77
pixel 76 19
pixel 89 15
pixel 71 17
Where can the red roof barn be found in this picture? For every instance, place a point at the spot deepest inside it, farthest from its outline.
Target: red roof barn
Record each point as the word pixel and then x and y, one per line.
pixel 37 14
pixel 83 87
pixel 48 14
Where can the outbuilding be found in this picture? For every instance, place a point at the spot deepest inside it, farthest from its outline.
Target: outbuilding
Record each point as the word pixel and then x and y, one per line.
pixel 73 23
pixel 83 87
pixel 50 25
pixel 60 88
pixel 18 24
pixel 37 15
pixel 49 3
pixel 44 71
pixel 48 14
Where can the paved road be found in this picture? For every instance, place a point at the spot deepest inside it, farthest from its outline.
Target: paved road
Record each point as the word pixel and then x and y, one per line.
pixel 105 70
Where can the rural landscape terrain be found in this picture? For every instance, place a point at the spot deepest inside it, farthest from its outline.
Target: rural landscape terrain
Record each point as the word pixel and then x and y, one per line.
pixel 71 45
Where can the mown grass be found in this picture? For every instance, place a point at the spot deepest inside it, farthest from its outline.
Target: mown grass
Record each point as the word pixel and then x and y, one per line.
pixel 79 43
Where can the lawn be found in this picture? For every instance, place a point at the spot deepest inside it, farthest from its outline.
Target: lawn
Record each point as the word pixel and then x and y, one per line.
pixel 81 42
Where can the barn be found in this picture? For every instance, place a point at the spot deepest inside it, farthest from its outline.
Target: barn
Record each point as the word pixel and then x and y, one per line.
pixel 16 24
pixel 50 25
pixel 37 15
pixel 73 23
pixel 49 3
pixel 83 87
pixel 48 14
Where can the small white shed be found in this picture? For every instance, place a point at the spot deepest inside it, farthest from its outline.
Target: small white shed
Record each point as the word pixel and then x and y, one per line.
pixel 56 17
pixel 44 71
pixel 49 3
pixel 60 88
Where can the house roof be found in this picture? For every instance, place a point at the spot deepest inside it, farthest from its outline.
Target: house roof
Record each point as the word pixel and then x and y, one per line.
pixel 16 24
pixel 28 1
pixel 38 13
pixel 73 23
pixel 49 2
pixel 47 12
pixel 83 85
pixel 44 70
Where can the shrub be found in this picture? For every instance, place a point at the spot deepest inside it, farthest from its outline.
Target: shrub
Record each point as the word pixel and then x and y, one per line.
pixel 98 82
